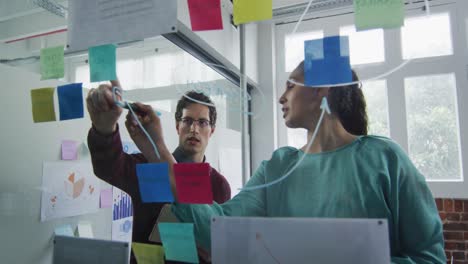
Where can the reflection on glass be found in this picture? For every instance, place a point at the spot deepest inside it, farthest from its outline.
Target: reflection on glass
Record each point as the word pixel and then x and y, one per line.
pixel 294 47
pixel 432 126
pixel 365 46
pixel 375 93
pixel 427 36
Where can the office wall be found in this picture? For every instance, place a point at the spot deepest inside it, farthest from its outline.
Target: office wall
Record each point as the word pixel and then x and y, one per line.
pixel 25 145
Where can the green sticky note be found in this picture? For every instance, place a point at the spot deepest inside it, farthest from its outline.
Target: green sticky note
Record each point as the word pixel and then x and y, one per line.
pixel 102 63
pixel 147 253
pixel 370 14
pixel 52 63
pixel 178 241
pixel 43 104
pixel 252 10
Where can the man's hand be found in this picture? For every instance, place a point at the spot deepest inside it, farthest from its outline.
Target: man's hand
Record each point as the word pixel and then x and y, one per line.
pixel 104 113
pixel 152 124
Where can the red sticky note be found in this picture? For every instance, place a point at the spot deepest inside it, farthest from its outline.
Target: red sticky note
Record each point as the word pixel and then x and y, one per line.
pixel 205 14
pixel 193 183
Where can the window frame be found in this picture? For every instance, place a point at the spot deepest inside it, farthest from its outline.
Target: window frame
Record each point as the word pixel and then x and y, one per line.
pixel 454 63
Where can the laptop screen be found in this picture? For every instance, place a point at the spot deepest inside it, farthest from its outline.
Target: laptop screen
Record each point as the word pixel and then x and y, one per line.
pixel 299 240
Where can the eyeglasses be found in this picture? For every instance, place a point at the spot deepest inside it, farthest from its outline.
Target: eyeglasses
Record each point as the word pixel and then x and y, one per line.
pixel 202 123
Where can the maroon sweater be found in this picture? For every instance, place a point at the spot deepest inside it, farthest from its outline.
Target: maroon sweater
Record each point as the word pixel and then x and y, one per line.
pixel 117 168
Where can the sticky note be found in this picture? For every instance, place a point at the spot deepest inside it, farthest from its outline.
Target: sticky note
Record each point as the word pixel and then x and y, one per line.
pixel 65 230
pixel 147 253
pixel 178 241
pixel 69 150
pixel 43 109
pixel 193 183
pixel 249 11
pixel 327 61
pixel 102 64
pixel 205 14
pixel 369 14
pixel 52 63
pixel 70 99
pixel 84 230
pixel 153 180
pixel 106 198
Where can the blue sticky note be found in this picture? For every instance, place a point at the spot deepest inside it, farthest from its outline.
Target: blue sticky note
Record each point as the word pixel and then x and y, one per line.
pixel 102 63
pixel 178 241
pixel 153 180
pixel 70 99
pixel 327 61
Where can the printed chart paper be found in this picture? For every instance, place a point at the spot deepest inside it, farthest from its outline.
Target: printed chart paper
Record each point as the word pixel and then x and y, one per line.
pixel 69 189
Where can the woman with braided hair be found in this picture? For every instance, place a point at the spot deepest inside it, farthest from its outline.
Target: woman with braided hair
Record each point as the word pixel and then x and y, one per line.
pixel 345 173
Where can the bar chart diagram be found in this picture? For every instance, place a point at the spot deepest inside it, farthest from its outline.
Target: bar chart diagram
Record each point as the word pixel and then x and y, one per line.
pixel 122 215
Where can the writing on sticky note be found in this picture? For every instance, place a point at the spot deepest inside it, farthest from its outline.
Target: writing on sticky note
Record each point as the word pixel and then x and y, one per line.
pixel 205 14
pixel 106 198
pixel 70 99
pixel 371 14
pixel 102 64
pixel 65 230
pixel 193 183
pixel 327 61
pixel 153 181
pixel 52 63
pixel 69 150
pixel 147 253
pixel 248 11
pixel 42 100
pixel 178 241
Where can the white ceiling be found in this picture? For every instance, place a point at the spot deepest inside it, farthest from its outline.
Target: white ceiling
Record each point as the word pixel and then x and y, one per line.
pixel 20 18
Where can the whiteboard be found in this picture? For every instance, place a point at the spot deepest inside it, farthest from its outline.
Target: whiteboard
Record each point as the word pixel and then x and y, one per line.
pixel 26 145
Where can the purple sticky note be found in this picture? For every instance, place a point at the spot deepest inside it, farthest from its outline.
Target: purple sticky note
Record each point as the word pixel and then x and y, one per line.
pixel 106 198
pixel 69 150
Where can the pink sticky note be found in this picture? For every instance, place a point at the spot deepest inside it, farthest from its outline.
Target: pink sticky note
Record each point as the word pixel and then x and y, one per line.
pixel 205 14
pixel 106 198
pixel 69 150
pixel 193 183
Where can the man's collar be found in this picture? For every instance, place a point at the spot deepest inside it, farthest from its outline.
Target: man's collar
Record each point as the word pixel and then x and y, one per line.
pixel 182 157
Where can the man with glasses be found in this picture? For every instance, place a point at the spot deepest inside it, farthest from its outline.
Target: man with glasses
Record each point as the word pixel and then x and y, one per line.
pixel 195 123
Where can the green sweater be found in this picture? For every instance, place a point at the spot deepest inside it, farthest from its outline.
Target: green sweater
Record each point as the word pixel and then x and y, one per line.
pixel 370 178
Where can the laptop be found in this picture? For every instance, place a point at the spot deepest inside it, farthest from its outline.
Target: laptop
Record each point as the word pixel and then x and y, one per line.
pixel 299 240
pixel 71 250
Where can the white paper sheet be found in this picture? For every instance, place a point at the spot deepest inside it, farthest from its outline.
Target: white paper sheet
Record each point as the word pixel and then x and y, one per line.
pixel 122 216
pixel 84 229
pixel 98 22
pixel 230 166
pixel 69 188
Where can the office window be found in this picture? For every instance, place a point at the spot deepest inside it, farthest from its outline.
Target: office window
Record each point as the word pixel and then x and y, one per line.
pixel 427 36
pixel 297 137
pixel 433 136
pixel 375 93
pixel 294 47
pixel 365 46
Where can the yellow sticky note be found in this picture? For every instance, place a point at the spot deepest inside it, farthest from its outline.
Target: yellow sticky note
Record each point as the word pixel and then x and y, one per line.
pixel 148 254
pixel 43 104
pixel 252 10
